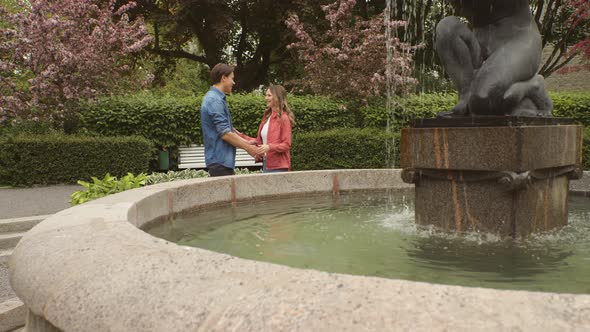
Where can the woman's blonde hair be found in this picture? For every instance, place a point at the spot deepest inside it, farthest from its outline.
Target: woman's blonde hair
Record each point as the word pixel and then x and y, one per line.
pixel 279 95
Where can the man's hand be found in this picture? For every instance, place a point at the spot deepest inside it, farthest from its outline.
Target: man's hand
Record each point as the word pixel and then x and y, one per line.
pixel 251 149
pixel 235 140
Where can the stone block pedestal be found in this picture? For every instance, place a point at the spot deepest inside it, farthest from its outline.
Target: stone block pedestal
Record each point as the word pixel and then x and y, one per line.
pixel 503 175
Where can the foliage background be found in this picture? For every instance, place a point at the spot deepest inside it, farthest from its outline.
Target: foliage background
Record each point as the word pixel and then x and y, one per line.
pixel 57 158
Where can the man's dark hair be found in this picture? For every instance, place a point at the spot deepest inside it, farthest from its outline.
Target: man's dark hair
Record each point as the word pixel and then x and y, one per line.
pixel 220 69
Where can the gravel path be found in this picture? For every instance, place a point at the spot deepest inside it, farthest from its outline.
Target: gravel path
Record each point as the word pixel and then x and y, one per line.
pixel 26 202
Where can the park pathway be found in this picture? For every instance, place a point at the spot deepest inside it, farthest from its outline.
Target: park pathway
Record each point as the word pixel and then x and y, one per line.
pixel 20 210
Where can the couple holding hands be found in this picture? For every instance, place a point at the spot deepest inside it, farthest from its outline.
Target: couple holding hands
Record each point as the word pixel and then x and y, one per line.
pixel 272 145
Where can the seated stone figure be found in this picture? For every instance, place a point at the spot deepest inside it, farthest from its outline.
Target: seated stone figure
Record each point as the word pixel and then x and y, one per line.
pixel 494 63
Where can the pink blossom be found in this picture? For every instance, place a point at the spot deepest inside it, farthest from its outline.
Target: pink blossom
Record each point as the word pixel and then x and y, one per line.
pixel 74 49
pixel 349 60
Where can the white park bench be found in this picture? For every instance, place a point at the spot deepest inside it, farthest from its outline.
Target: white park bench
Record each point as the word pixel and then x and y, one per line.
pixel 193 156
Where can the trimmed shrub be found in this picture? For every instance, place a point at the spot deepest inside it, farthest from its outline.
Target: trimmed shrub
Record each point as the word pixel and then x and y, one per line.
pixel 28 127
pixel 48 159
pixel 407 108
pixel 312 113
pixel 586 149
pixel 343 148
pixel 169 122
pixel 186 174
pixel 166 121
pixel 360 148
pixel 575 105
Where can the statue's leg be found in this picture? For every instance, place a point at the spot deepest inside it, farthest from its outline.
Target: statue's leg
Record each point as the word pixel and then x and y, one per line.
pixel 529 98
pixel 460 54
pixel 515 61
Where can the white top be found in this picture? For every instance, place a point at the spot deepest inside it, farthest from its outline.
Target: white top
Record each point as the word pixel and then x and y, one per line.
pixel 264 131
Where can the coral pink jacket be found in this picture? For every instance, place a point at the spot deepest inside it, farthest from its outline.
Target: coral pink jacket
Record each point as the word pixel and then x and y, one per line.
pixel 278 140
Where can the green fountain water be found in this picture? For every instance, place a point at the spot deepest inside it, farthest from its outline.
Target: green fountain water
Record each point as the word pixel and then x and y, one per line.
pixel 374 234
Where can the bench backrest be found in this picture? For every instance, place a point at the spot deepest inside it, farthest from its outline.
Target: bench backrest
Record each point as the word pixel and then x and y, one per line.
pixel 193 156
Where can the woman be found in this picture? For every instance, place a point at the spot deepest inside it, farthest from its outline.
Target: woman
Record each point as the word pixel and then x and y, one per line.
pixel 274 132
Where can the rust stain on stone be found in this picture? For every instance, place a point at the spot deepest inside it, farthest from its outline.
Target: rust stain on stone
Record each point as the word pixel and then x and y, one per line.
pixel 233 192
pixel 170 205
pixel 472 220
pixel 445 148
pixel 407 138
pixel 335 185
pixel 451 178
pixel 457 206
pixel 437 151
pixel 536 215
pixel 546 205
pixel 566 145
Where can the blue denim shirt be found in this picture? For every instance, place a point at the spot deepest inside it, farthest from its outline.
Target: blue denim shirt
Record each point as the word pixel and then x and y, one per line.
pixel 216 122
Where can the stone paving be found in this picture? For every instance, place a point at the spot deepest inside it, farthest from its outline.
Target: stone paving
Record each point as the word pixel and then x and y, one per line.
pixel 26 202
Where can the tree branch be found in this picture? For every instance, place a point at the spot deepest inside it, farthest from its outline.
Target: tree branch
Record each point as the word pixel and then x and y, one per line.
pixel 179 54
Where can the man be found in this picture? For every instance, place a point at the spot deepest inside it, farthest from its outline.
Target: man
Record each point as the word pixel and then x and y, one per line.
pixel 216 123
pixel 494 61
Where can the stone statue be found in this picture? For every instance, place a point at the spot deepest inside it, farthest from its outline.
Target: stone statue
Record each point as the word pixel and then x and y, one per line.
pixel 494 60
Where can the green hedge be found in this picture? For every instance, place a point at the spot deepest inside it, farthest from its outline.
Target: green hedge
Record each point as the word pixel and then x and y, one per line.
pixel 405 109
pixel 586 149
pixel 166 121
pixel 344 148
pixel 170 122
pixel 575 105
pixel 48 159
pixel 360 148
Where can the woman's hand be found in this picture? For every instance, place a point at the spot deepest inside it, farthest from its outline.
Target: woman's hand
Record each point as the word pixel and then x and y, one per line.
pixel 262 149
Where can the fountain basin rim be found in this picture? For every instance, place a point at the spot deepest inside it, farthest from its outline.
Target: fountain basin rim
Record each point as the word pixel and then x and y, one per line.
pixel 90 268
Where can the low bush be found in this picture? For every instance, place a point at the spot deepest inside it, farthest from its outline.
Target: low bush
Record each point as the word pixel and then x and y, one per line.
pixel 169 122
pixel 176 175
pixel 166 121
pixel 111 185
pixel 188 174
pixel 361 148
pixel 106 186
pixel 59 158
pixel 575 105
pixel 345 148
pixel 586 149
pixel 27 128
pixel 406 108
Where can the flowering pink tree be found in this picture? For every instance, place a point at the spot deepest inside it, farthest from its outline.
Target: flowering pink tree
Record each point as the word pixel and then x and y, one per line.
pixel 55 53
pixel 349 60
pixel 579 18
pixel 565 28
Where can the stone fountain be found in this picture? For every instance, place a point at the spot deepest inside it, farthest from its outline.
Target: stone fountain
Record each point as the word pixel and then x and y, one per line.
pixel 504 168
pixel 498 161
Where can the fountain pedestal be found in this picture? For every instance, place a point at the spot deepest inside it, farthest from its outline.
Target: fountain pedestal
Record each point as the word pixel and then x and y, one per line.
pixel 504 175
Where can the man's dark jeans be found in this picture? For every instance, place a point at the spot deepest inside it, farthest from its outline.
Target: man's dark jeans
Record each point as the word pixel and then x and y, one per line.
pixel 220 170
